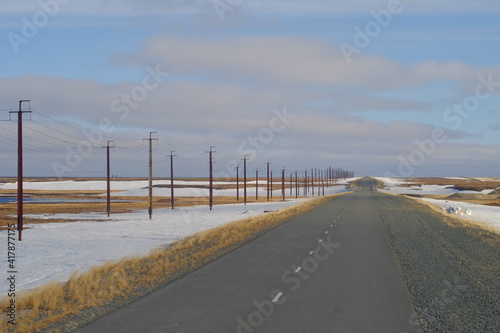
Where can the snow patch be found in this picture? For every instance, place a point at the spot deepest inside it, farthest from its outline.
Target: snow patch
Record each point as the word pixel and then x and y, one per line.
pixel 456 210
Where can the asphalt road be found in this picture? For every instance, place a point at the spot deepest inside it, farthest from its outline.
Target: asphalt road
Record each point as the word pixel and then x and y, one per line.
pixel 330 270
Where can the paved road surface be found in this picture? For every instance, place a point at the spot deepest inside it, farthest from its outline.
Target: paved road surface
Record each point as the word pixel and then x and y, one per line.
pixel 330 270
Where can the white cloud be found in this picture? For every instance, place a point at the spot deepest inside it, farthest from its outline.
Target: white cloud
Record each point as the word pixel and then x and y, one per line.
pixel 192 116
pixel 293 60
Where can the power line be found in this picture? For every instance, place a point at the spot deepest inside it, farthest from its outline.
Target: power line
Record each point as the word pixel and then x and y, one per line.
pixel 50 136
pixel 57 121
pixel 82 130
pixel 52 129
pixel 34 139
pixel 28 146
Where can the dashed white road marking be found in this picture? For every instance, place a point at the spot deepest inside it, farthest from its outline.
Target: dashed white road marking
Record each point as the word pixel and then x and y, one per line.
pixel 277 297
pixel 298 269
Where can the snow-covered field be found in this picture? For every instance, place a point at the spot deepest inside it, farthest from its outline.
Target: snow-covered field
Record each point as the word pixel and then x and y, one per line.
pixel 53 251
pixel 487 215
pixel 393 185
pixel 139 188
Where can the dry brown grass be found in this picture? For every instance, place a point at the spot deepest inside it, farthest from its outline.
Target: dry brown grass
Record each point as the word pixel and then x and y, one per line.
pixel 85 295
pixel 470 184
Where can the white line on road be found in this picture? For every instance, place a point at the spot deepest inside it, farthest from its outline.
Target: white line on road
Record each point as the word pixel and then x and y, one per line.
pixel 277 297
pixel 298 269
pixel 311 252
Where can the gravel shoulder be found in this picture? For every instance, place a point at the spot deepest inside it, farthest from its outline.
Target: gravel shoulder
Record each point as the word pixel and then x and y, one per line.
pixel 452 272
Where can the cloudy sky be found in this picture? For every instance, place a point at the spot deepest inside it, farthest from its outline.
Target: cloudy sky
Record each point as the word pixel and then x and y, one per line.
pixel 382 88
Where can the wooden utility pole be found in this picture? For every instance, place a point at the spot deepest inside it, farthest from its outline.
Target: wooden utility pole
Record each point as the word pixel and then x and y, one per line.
pixel 20 177
pixel 257 184
pixel 268 163
pixel 151 173
pixel 283 183
pixel 312 182
pixel 172 177
pixel 245 158
pixel 306 189
pixel 271 181
pixel 296 185
pixel 237 182
pixel 108 177
pixel 211 162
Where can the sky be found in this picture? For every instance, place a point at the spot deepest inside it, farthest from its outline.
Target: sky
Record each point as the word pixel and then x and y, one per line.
pixel 382 88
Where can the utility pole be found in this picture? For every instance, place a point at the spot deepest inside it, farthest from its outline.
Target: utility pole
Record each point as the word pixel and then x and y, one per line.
pixel 20 193
pixel 283 183
pixel 172 177
pixel 151 172
pixel 108 177
pixel 245 158
pixel 296 185
pixel 237 182
pixel 291 184
pixel 305 183
pixel 211 162
pixel 268 163
pixel 257 184
pixel 312 182
pixel 271 180
pixel 318 181
pixel 323 183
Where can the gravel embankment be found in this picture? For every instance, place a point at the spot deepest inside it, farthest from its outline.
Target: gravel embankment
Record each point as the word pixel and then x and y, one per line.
pixel 452 272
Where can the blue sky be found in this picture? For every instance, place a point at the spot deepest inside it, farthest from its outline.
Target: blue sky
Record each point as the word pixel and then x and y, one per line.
pixel 229 78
